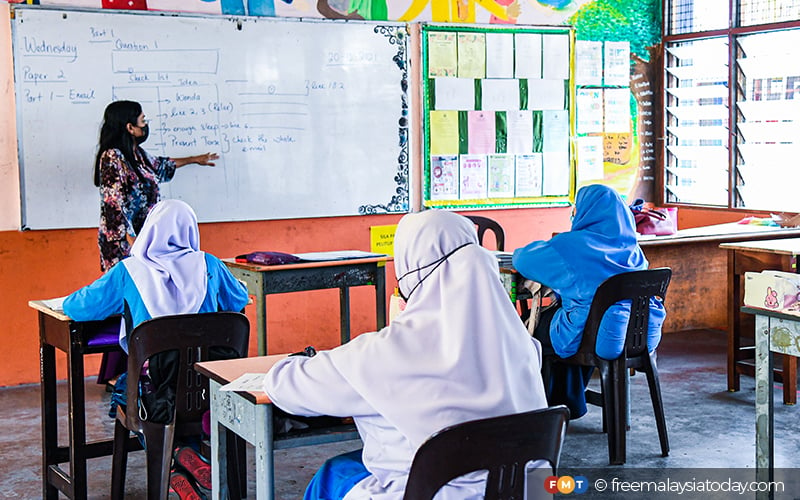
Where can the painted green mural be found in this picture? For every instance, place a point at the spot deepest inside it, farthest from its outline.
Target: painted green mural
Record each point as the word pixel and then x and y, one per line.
pixel 635 21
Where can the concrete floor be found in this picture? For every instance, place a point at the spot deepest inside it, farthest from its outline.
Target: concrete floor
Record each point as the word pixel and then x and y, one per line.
pixel 709 429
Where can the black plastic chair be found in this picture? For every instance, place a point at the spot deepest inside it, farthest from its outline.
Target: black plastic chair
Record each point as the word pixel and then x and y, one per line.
pixel 486 224
pixel 500 445
pixel 192 336
pixel 638 287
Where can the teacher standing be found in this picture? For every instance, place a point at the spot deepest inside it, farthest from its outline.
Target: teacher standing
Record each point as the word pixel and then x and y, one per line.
pixel 128 178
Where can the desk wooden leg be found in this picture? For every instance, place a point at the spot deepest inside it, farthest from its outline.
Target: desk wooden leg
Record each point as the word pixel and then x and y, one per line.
pixel 380 297
pixel 265 465
pixel 734 322
pixel 789 380
pixel 47 381
pixel 764 399
pixel 77 425
pixel 344 315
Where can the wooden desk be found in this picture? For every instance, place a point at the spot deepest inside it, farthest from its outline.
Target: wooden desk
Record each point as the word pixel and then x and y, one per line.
pixel 342 274
pixel 775 332
pixel 756 256
pixel 58 331
pixel 698 290
pixel 249 415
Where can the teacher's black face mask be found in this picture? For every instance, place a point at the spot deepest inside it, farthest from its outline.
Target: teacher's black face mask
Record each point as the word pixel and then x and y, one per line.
pixel 145 133
pixel 436 263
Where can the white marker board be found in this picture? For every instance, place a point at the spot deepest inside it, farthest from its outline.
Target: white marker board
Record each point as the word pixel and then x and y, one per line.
pixel 310 118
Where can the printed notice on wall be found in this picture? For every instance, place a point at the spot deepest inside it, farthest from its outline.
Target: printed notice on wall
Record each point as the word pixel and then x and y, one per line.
pixel 444 177
pixel 617 110
pixel 588 63
pixel 617 67
pixel 501 176
pixel 519 132
pixel 617 148
pixel 589 103
pixel 472 177
pixel 499 55
pixel 529 175
pixel 444 132
pixel 471 48
pixel 442 54
pixel 590 158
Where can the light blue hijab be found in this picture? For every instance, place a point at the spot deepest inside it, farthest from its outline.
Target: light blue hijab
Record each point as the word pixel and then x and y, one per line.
pixel 601 244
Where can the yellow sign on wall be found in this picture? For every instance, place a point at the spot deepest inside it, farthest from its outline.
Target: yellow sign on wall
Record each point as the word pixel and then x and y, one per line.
pixel 382 239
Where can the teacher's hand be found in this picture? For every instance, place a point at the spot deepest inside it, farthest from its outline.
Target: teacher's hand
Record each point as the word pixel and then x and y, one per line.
pixel 207 159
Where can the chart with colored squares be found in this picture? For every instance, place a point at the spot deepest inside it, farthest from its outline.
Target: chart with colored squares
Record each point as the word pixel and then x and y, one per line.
pixel 498 112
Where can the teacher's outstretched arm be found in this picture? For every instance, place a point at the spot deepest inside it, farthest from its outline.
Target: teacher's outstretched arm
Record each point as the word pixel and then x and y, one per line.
pixel 204 159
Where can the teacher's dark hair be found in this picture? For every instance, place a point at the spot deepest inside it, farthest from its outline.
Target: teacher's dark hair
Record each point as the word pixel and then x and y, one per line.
pixel 114 133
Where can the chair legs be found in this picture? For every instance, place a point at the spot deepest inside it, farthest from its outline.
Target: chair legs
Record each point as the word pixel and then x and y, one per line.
pixel 158 440
pixel 614 401
pixel 119 461
pixel 614 384
pixel 658 406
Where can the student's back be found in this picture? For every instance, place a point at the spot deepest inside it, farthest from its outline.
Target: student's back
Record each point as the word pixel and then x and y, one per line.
pixel 457 352
pixel 601 243
pixel 166 274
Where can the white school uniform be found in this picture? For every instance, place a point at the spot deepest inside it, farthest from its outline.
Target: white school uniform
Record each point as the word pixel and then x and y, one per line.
pixel 458 352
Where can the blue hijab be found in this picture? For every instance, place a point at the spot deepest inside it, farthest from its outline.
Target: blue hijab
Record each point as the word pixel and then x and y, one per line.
pixel 601 244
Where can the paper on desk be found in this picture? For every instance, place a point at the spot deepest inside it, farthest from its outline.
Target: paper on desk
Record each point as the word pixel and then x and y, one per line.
pixel 337 255
pixel 56 304
pixel 249 382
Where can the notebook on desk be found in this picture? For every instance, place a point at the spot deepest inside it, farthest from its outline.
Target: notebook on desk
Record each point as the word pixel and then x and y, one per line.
pixel 56 304
pixel 278 258
pixel 337 255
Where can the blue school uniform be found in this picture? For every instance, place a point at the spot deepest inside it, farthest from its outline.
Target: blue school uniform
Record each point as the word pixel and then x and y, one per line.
pixel 601 244
pixel 106 296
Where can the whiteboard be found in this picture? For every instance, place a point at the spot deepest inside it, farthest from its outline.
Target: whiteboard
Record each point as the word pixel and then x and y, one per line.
pixel 310 118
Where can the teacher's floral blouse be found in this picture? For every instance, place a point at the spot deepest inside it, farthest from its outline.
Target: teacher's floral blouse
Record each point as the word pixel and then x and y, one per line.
pixel 127 195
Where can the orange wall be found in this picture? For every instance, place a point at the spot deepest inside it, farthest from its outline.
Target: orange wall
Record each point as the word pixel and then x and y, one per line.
pixel 689 217
pixel 47 264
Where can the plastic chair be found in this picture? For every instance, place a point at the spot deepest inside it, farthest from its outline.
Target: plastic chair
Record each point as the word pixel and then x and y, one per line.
pixel 638 287
pixel 192 336
pixel 486 224
pixel 501 445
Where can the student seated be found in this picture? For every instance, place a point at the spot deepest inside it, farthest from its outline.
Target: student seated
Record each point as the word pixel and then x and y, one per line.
pixel 601 244
pixel 165 274
pixel 457 352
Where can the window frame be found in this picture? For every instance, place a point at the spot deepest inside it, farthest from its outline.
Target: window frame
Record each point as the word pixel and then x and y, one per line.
pixel 731 33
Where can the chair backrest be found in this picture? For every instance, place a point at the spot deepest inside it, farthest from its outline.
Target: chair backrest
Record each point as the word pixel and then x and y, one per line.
pixel 500 445
pixel 191 336
pixel 484 224
pixel 636 286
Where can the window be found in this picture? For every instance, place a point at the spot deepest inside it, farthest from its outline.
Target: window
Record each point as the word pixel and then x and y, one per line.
pixel 732 96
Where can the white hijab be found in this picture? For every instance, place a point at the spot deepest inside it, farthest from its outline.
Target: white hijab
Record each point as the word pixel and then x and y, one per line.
pixel 166 263
pixel 458 351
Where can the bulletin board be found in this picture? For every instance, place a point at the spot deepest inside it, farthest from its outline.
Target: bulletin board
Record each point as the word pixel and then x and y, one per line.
pixel 310 118
pixel 498 116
